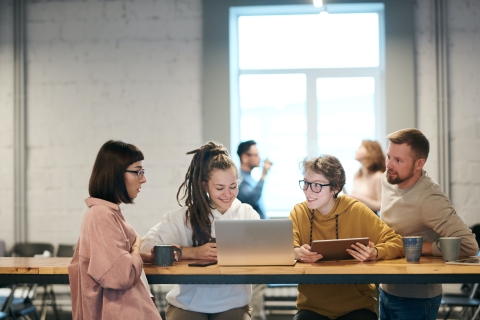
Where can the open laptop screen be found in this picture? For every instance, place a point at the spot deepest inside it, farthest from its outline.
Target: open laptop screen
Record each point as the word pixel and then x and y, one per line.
pixel 254 242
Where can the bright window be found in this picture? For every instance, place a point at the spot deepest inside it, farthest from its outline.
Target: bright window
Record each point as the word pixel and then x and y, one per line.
pixel 321 40
pixel 304 84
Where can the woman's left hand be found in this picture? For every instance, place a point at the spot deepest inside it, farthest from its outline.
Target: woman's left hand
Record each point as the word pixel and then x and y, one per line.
pixel 362 252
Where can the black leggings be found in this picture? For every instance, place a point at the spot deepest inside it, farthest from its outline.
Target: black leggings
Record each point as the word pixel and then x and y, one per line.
pixel 361 314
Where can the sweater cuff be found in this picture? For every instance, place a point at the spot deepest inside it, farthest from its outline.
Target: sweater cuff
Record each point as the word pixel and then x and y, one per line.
pixel 436 249
pixel 381 253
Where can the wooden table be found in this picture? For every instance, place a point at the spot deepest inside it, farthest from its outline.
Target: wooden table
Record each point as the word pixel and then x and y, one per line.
pixel 429 270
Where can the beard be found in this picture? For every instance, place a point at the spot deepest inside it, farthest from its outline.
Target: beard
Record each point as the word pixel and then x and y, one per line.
pixel 399 179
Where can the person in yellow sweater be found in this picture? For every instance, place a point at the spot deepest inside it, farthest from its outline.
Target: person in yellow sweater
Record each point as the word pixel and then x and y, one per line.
pixel 326 215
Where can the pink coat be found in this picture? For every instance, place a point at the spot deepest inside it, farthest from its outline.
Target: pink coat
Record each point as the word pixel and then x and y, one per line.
pixel 104 276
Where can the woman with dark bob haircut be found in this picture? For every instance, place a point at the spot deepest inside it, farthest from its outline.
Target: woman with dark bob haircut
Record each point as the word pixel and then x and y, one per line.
pixel 105 270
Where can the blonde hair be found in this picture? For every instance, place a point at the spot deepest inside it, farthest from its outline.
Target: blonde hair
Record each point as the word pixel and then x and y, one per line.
pixel 375 158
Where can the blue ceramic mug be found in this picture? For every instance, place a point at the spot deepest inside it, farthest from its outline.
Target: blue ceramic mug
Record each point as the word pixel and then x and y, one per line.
pixel 412 246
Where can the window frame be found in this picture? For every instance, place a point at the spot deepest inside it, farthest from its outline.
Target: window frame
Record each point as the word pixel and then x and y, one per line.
pixel 400 99
pixel 311 74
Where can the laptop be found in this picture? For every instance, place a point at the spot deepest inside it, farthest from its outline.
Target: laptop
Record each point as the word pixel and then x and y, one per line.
pixel 254 242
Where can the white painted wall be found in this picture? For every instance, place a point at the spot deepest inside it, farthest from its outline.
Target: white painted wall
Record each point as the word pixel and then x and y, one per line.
pixel 101 70
pixel 464 45
pixel 6 122
pixel 131 70
pixel 463 28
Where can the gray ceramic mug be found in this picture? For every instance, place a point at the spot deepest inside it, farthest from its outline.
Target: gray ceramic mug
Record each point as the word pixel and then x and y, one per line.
pixel 165 254
pixel 450 247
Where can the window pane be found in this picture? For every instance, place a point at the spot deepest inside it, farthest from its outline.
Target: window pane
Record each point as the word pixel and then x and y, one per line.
pixel 273 113
pixel 346 116
pixel 308 41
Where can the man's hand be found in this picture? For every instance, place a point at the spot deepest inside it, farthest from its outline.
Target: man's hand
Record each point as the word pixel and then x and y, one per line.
pixel 267 164
pixel 427 249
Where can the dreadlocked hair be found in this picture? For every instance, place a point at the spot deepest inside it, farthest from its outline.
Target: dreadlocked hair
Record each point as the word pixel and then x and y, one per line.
pixel 208 157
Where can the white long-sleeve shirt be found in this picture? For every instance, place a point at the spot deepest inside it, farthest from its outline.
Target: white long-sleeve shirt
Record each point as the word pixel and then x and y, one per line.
pixel 200 298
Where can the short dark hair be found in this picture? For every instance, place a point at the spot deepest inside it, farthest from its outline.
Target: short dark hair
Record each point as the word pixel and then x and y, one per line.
pixel 244 147
pixel 107 181
pixel 415 139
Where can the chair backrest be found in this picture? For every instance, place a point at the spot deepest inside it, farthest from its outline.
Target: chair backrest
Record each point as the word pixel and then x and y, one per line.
pixel 476 232
pixel 30 249
pixel 3 252
pixel 7 299
pixel 65 250
pixel 474 291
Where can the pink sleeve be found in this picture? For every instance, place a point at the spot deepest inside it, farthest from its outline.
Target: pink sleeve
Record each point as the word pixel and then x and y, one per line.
pixel 111 264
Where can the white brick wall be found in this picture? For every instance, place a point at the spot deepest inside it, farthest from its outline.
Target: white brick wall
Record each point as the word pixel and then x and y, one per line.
pixel 463 29
pixel 426 83
pixel 102 70
pixel 464 46
pixel 6 122
pixel 131 70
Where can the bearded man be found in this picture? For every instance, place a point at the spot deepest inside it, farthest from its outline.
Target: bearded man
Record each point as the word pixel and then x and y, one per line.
pixel 414 205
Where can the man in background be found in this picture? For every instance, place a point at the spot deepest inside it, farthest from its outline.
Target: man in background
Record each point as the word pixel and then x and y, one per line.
pixel 250 191
pixel 414 205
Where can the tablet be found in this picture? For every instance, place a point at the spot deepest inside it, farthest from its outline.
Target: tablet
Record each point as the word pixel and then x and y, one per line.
pixel 336 249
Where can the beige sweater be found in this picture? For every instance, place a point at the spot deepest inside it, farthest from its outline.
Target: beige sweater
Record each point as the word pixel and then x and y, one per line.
pixel 423 210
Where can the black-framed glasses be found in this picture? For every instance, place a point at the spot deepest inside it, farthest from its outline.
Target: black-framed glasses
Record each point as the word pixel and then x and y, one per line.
pixel 314 186
pixel 140 174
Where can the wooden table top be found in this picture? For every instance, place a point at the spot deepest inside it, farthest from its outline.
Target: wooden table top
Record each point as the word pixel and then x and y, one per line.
pixel 432 267
pixel 427 265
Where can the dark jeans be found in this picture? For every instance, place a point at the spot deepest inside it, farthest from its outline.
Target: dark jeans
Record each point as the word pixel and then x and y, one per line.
pixel 362 314
pixel 399 308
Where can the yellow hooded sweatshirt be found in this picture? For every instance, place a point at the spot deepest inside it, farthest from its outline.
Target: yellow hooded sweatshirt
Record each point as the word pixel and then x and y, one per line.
pixel 353 219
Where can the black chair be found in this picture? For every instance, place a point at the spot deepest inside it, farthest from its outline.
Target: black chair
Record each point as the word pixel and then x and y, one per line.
pixel 65 250
pixel 469 304
pixel 6 302
pixel 24 307
pixel 3 251
pixel 49 298
pixel 476 232
pixel 29 249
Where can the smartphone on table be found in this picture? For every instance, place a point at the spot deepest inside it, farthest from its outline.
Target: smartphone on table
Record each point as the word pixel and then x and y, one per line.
pixel 202 263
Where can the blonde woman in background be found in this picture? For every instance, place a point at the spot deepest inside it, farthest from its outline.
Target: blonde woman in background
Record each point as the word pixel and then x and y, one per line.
pixel 367 186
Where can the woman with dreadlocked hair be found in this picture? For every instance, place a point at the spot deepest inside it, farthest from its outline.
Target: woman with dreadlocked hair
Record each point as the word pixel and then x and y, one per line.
pixel 209 193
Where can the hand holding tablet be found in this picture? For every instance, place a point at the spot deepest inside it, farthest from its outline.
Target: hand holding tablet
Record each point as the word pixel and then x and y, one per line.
pixel 338 249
